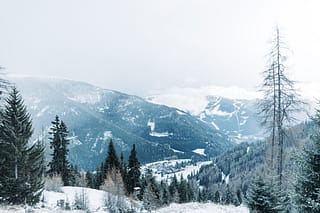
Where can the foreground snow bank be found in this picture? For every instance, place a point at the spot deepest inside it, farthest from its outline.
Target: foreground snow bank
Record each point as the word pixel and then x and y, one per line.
pixel 202 208
pixel 96 203
pixel 94 198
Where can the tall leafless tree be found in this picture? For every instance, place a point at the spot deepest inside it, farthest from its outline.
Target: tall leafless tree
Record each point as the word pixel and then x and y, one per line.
pixel 279 103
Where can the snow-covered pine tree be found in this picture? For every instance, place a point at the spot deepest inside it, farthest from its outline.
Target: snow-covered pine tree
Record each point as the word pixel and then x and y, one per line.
pixel 59 164
pixel 21 163
pixel 133 170
pixel 307 184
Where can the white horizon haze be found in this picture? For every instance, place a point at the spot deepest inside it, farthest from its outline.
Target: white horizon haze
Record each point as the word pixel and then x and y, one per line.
pixel 142 46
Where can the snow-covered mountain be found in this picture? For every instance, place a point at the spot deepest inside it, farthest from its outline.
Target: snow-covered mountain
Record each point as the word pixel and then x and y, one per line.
pixel 94 116
pixel 231 110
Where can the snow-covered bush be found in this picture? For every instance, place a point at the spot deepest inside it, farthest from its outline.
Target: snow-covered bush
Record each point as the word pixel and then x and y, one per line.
pixel 53 183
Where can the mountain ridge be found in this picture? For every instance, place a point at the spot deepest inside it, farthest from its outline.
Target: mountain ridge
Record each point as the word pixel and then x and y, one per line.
pixel 95 115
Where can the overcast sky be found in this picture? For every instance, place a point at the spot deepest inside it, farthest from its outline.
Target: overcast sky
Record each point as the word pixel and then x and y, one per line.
pixel 147 45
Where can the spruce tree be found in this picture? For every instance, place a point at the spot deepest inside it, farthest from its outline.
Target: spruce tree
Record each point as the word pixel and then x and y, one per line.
pixel 216 198
pixel 183 190
pixel 55 166
pixel 123 171
pixel 113 177
pixel 66 167
pixel 260 197
pixel 36 162
pixel 59 164
pixel 307 184
pixel 21 163
pixel 239 196
pixel 112 161
pixel 228 196
pixel 152 192
pixel 133 170
pixel 99 177
pixel 173 189
pixel 165 194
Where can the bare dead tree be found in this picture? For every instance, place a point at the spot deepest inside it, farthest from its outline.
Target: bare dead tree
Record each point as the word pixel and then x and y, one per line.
pixel 279 103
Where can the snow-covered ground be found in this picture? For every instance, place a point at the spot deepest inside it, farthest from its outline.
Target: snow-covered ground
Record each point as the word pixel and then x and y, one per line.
pixel 95 200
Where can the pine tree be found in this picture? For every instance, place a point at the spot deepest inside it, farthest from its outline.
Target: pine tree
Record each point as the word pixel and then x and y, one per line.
pixel 165 194
pixel 112 161
pixel 99 177
pixel 66 167
pixel 228 196
pixel 90 180
pixel 239 196
pixel 133 170
pixel 21 164
pixel 59 164
pixel 152 192
pixel 55 166
pixel 183 190
pixel 113 179
pixel 307 184
pixel 123 171
pixel 36 162
pixel 260 197
pixel 216 198
pixel 173 189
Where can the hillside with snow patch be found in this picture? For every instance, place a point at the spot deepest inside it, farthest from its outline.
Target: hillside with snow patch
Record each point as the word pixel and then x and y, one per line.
pixel 94 115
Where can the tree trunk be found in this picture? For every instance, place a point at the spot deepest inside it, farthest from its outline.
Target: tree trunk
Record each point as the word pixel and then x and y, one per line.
pixel 16 167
